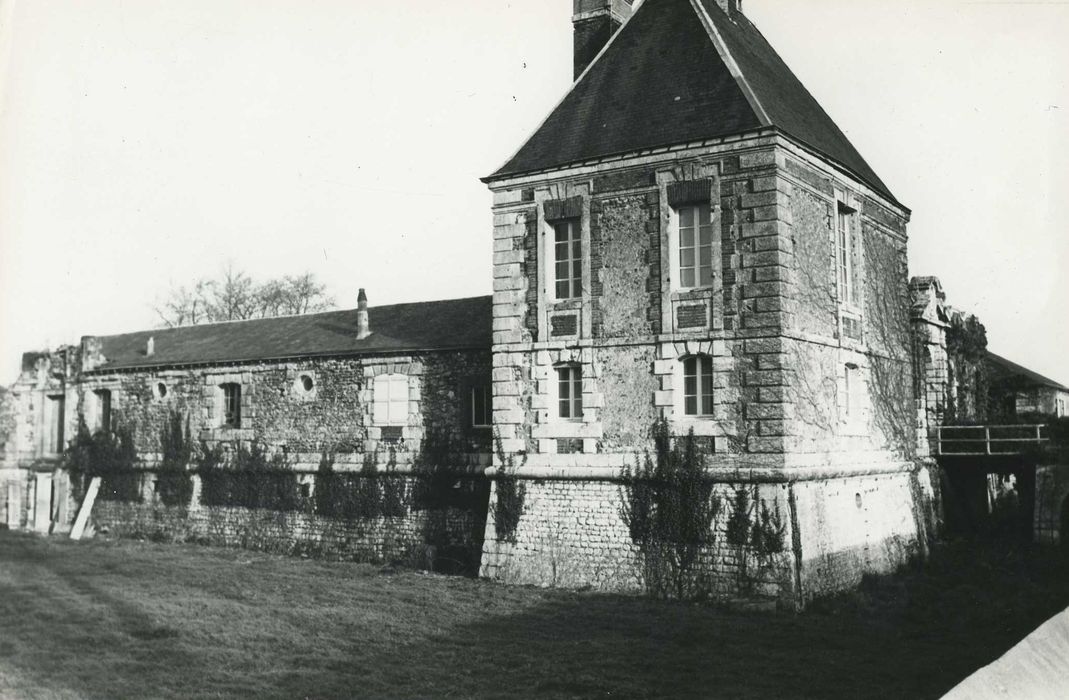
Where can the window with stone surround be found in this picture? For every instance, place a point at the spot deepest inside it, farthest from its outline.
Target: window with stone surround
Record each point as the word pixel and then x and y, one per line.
pixel 103 409
pixel 852 393
pixel 54 408
pixel 390 405
pixel 570 392
pixel 698 386
pixel 694 236
pixel 481 405
pixel 231 405
pixel 844 237
pixel 568 259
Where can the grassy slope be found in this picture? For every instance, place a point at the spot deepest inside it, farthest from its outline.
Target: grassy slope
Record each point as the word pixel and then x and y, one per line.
pixel 127 619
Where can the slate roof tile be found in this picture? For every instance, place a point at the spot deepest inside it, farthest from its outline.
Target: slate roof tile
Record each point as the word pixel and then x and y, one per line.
pixel 662 82
pixel 434 325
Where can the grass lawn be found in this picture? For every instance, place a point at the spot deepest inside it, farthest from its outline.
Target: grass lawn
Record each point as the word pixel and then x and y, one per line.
pixel 124 619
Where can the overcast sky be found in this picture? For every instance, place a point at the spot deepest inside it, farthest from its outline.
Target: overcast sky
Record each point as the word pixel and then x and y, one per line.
pixel 146 143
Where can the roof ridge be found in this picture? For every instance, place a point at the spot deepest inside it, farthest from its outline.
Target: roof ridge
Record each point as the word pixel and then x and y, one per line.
pixel 291 316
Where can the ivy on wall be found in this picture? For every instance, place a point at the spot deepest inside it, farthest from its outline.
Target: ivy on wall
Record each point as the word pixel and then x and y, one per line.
pixel 511 495
pixel 669 507
pixel 173 481
pixel 246 477
pixel 969 383
pixel 109 454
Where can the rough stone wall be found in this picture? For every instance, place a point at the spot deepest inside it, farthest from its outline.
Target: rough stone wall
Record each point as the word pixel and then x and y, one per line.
pixel 629 299
pixel 277 411
pixel 420 537
pixel 773 322
pixel 829 417
pixel 572 535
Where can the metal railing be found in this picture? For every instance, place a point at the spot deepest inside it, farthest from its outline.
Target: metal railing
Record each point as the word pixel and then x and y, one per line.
pixel 984 440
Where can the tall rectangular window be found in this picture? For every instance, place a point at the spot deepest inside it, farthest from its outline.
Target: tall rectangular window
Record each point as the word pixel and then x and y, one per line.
pixel 54 425
pixel 391 399
pixel 851 393
pixel 695 246
pixel 698 385
pixel 231 405
pixel 481 404
pixel 570 391
pixel 846 266
pixel 568 259
pixel 103 399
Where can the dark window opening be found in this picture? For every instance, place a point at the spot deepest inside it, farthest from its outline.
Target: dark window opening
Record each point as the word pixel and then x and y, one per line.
pixel 232 405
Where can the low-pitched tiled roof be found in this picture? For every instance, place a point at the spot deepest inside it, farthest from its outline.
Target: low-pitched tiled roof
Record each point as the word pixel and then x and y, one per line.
pixel 1027 375
pixel 662 81
pixel 434 325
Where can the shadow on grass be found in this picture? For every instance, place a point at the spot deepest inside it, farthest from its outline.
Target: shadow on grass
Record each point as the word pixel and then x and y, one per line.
pixel 135 620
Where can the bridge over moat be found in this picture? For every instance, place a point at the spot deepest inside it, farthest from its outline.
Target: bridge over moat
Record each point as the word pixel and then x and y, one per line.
pixel 995 479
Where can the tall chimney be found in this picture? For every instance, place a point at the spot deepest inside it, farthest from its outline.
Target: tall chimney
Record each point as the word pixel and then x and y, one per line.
pixel 594 22
pixel 363 325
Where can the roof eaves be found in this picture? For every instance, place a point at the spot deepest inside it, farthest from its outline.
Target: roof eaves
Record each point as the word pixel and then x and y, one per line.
pixel 835 162
pixel 389 352
pixel 622 155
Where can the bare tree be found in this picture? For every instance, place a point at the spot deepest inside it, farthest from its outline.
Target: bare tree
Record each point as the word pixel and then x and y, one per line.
pixel 235 296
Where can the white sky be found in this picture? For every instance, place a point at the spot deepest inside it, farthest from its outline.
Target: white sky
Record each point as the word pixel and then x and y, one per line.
pixel 145 143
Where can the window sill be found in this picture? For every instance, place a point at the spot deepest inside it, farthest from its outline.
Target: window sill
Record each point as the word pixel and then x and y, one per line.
pixel 564 428
pixel 701 425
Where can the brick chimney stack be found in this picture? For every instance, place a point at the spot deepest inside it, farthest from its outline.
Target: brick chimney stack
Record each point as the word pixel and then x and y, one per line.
pixel 594 22
pixel 363 324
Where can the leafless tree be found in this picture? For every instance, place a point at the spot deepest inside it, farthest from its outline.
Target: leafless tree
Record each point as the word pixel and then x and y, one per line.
pixel 235 296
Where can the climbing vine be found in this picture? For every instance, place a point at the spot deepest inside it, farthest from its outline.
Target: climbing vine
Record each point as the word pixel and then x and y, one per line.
pixel 756 533
pixel 511 494
pixel 174 482
pixel 669 506
pixel 109 454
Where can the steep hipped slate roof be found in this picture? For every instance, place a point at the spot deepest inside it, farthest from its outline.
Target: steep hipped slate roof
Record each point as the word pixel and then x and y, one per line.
pixel 1030 377
pixel 433 325
pixel 662 82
